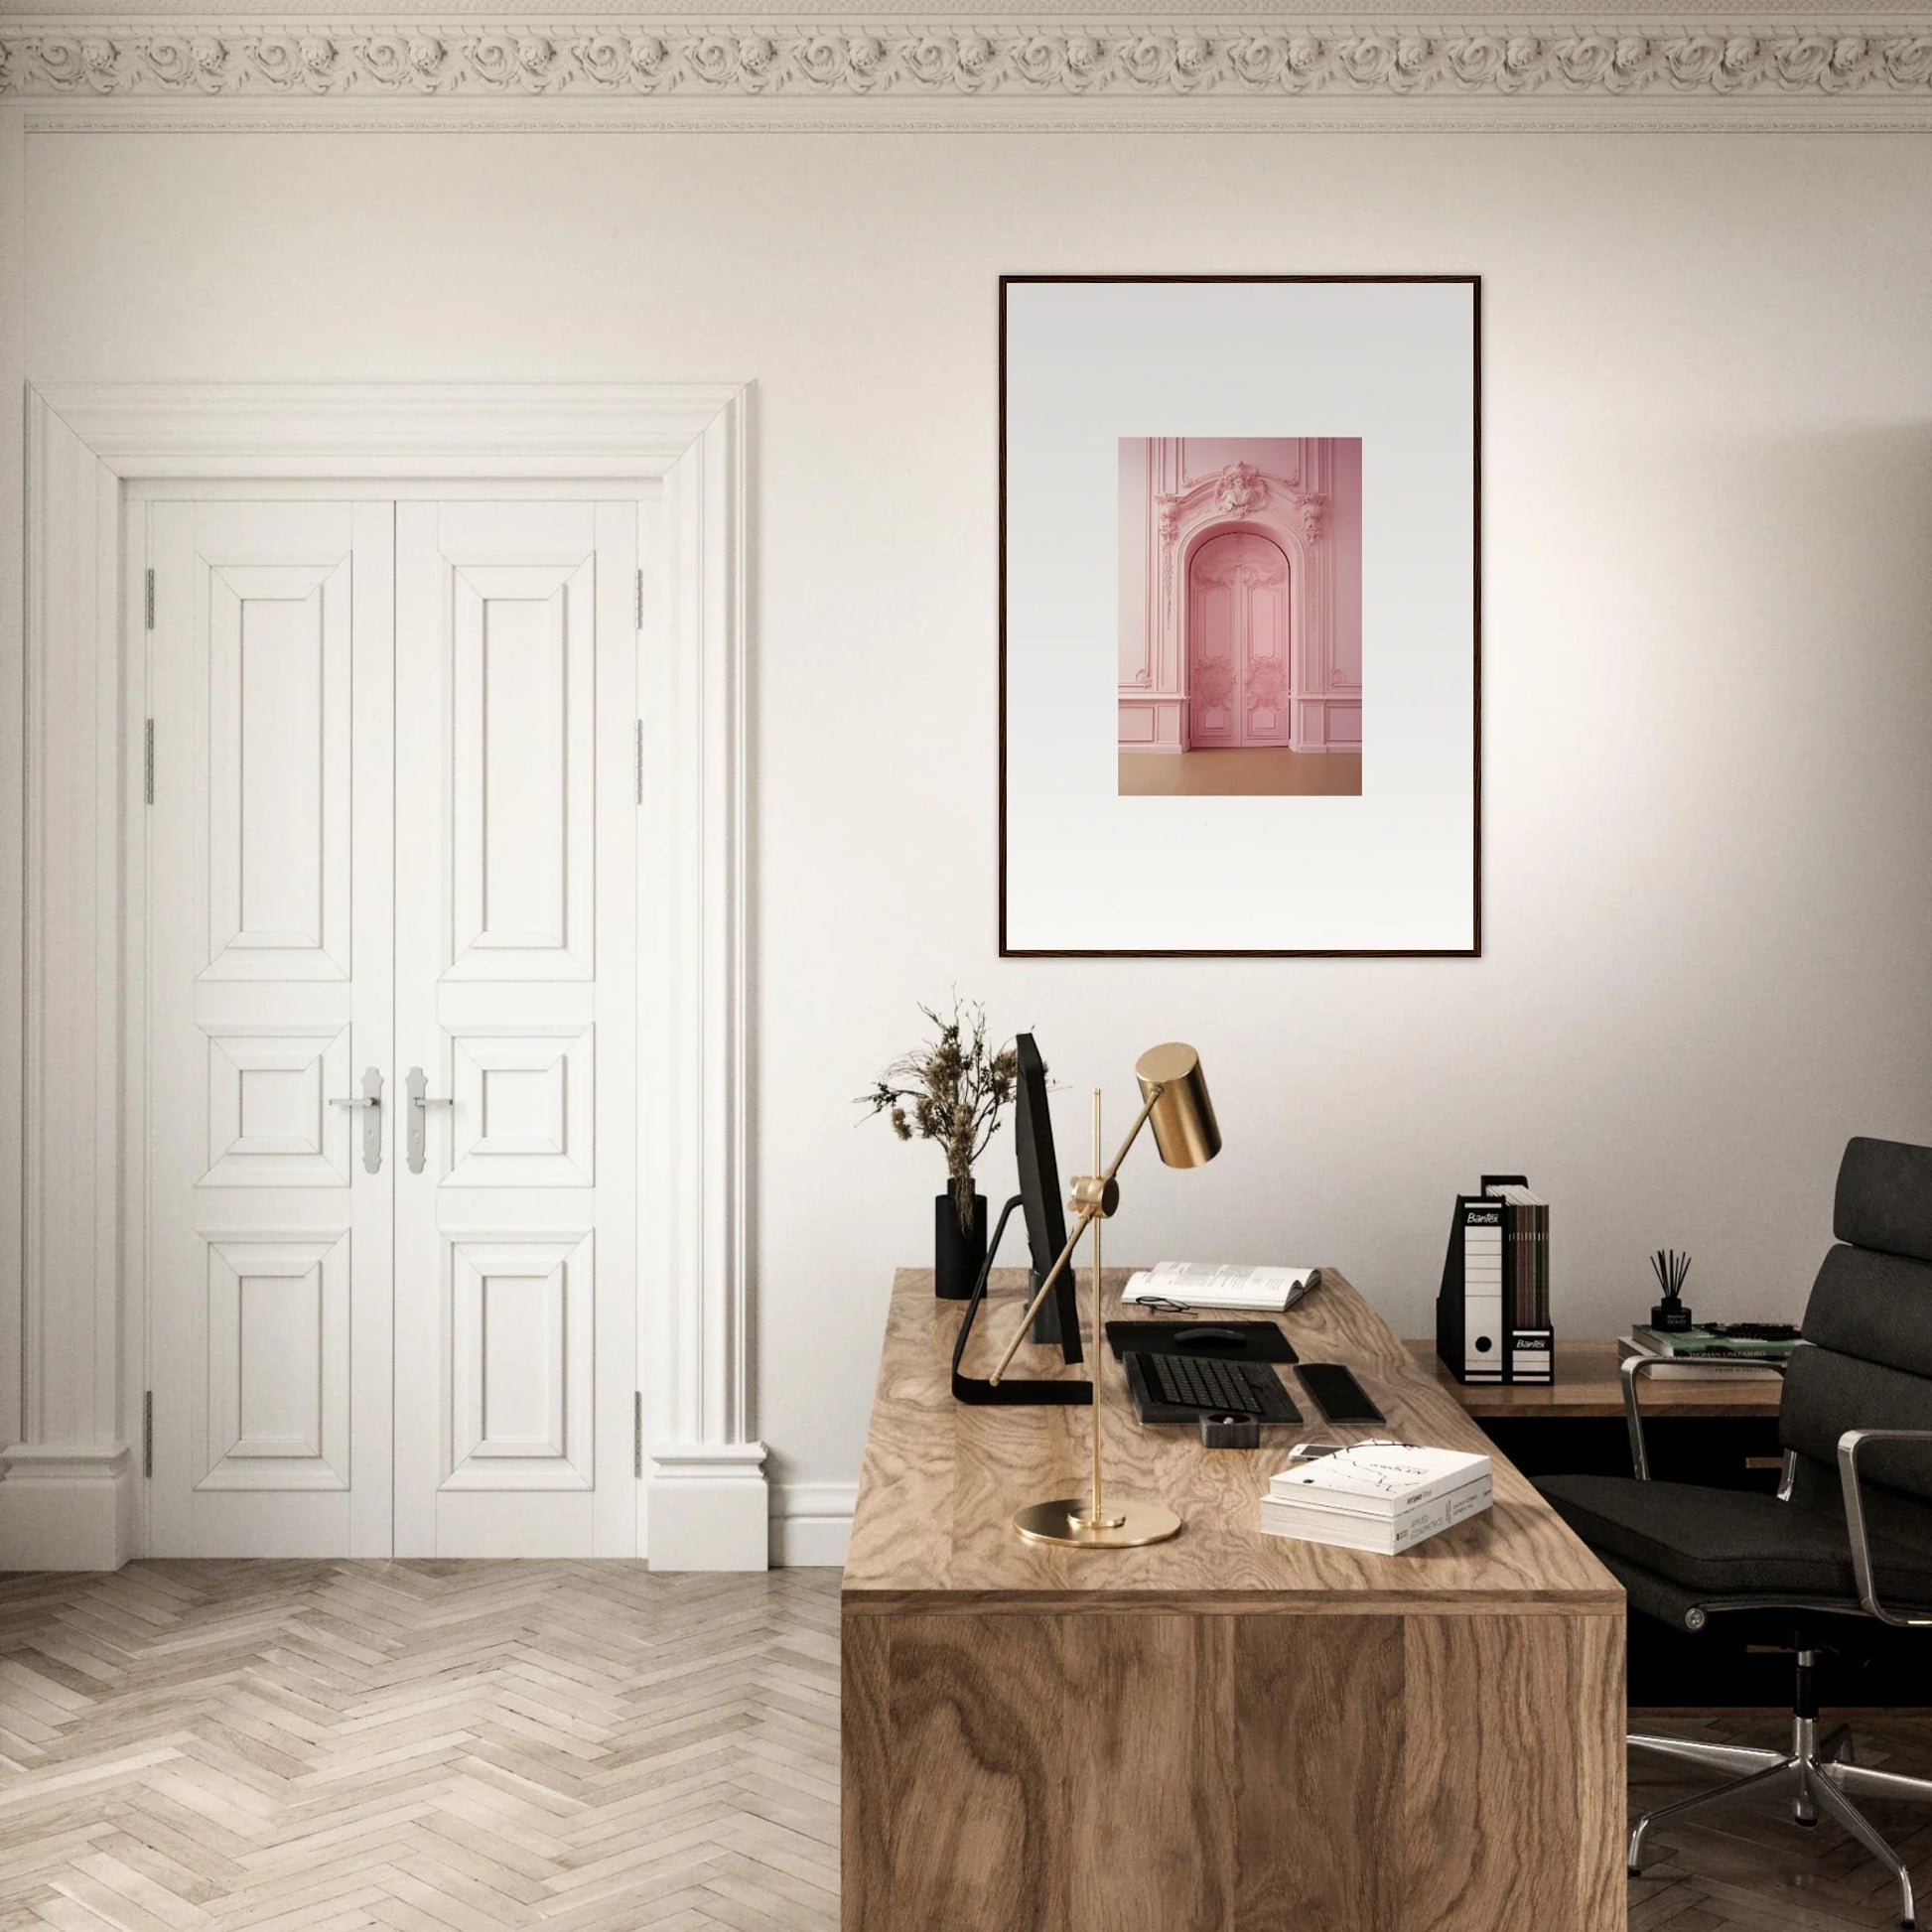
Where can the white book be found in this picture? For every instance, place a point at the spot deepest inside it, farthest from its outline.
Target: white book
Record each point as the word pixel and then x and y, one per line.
pixel 1386 1536
pixel 1378 1478
pixel 1219 1285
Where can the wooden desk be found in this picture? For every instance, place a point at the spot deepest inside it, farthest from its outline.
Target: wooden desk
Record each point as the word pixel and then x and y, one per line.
pixel 1227 1732
pixel 1588 1387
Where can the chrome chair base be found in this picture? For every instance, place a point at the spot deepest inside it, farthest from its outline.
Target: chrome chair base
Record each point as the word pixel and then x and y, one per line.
pixel 1818 1775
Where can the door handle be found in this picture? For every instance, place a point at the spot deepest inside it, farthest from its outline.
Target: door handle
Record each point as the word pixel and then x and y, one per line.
pixel 370 1099
pixel 420 1102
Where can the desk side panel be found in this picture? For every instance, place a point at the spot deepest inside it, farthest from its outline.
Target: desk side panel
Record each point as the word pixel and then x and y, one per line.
pixel 957 1813
pixel 1147 1772
pixel 865 1772
pixel 1150 1771
pixel 1514 1773
pixel 1318 1728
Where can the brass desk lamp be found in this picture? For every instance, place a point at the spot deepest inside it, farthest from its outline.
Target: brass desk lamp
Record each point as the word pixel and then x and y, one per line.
pixel 1175 1102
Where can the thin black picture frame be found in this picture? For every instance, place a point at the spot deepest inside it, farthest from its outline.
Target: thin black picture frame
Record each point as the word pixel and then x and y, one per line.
pixel 1471 951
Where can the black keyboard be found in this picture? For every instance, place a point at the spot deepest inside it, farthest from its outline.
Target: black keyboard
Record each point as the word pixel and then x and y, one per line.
pixel 1218 1388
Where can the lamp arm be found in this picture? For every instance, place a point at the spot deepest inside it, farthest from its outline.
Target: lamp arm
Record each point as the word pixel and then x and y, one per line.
pixel 1132 1134
pixel 1088 1215
pixel 1053 1274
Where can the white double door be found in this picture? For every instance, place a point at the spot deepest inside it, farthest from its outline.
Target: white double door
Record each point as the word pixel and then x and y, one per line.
pixel 392 859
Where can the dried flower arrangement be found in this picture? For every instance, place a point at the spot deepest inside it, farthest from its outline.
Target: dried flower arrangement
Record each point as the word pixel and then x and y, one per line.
pixel 951 1090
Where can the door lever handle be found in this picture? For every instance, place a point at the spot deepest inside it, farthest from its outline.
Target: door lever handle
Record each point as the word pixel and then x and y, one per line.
pixel 370 1099
pixel 420 1102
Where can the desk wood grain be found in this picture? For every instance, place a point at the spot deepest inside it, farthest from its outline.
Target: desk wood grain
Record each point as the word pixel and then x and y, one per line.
pixel 942 1481
pixel 1228 1732
pixel 1588 1387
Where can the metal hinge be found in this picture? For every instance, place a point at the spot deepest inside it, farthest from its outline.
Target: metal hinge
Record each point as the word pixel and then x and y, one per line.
pixel 641 599
pixel 637 1435
pixel 147 1434
pixel 150 595
pixel 641 761
pixel 148 760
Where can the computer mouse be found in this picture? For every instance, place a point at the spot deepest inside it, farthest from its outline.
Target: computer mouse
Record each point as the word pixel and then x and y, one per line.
pixel 1208 1337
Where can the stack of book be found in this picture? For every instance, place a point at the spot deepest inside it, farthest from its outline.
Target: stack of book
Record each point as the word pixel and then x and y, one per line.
pixel 1381 1496
pixel 1687 1355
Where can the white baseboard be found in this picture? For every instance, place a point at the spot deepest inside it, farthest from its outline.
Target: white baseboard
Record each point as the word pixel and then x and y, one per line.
pixel 709 1507
pixel 63 1508
pixel 811 1523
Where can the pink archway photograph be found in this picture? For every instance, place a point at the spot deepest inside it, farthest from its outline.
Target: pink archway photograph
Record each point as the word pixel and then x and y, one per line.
pixel 1240 615
pixel 1295 621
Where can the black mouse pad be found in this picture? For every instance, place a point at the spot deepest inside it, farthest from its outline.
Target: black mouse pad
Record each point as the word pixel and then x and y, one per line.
pixel 1236 1341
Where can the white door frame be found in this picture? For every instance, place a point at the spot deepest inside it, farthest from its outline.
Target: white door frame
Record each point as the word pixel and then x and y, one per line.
pixel 70 1402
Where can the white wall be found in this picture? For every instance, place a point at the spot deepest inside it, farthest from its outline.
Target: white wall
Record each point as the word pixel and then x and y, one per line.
pixel 1708 654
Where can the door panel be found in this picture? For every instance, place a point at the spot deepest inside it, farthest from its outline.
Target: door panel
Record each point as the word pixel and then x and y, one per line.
pixel 278 1407
pixel 269 992
pixel 522 1398
pixel 1237 643
pixel 516 1243
pixel 521 664
pixel 279 672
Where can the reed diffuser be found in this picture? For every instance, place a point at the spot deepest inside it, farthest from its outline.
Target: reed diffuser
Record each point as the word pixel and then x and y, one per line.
pixel 1670 1315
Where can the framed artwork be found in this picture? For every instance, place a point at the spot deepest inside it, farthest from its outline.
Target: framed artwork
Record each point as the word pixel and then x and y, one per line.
pixel 1240 660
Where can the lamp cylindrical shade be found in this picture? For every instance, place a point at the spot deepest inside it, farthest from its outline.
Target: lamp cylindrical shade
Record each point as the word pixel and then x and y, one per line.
pixel 1185 1128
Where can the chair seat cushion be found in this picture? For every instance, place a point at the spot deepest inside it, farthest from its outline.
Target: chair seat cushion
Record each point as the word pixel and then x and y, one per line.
pixel 1728 1542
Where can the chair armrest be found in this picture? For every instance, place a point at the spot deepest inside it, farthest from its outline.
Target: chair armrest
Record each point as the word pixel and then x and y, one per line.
pixel 1635 1367
pixel 1848 1445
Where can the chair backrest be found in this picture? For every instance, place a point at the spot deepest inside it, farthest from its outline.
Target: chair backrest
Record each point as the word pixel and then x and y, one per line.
pixel 1868 1325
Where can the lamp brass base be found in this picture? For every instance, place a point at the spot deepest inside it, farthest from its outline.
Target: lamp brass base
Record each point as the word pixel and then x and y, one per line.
pixel 1064 1521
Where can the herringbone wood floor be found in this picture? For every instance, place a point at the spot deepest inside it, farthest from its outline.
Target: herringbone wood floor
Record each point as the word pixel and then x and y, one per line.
pixel 1750 1866
pixel 429 1746
pixel 459 1748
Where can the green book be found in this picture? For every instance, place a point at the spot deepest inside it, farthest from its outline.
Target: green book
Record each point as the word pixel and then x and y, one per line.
pixel 1701 1341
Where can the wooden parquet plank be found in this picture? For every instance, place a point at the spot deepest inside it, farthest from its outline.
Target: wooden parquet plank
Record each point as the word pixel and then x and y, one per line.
pixel 1748 1868
pixel 429 1748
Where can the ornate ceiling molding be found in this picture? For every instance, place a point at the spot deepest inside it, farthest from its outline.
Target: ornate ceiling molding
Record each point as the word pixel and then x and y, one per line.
pixel 1831 72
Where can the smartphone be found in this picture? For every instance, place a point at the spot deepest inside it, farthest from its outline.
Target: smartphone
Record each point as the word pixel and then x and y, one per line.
pixel 1336 1393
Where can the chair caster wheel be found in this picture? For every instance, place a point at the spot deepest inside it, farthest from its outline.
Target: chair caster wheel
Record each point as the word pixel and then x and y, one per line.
pixel 1633 1872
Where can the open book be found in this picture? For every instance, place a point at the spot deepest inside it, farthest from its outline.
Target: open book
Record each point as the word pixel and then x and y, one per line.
pixel 1217 1285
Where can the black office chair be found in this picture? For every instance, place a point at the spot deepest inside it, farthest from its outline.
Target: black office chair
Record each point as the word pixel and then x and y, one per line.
pixel 1849 1536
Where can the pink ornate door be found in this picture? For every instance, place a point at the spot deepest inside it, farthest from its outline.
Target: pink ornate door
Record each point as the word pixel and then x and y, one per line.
pixel 1237 643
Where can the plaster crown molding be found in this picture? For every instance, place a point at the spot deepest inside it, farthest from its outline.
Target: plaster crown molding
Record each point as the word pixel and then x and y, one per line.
pixel 1822 67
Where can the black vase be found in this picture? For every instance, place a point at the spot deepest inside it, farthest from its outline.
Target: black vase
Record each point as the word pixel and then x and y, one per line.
pixel 957 1254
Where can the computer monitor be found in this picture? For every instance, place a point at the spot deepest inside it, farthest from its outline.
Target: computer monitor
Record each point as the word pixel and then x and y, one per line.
pixel 1038 1201
pixel 1039 1196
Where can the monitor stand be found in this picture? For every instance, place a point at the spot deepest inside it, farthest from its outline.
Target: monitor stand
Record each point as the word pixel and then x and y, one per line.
pixel 1047 1324
pixel 1011 1391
